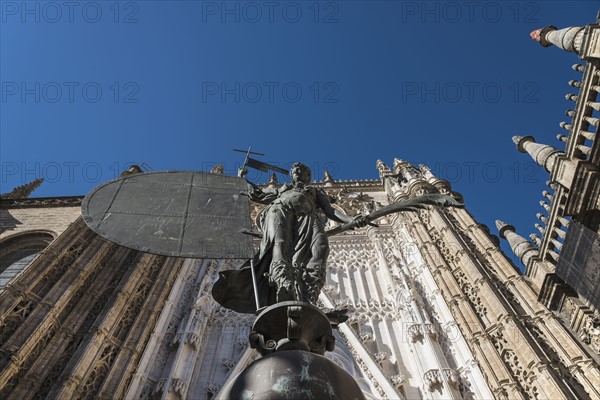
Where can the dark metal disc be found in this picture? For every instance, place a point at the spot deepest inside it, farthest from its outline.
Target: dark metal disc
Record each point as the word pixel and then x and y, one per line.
pixel 173 213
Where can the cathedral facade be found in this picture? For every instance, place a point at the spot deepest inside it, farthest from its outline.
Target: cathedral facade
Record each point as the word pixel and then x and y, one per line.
pixel 436 309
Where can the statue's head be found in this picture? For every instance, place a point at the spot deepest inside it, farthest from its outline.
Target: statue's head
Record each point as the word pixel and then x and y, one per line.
pixel 300 173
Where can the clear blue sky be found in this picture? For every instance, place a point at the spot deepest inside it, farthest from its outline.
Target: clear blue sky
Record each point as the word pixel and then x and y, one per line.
pixel 90 87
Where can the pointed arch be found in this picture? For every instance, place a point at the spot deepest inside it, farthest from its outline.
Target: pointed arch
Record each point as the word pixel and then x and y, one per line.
pixel 17 252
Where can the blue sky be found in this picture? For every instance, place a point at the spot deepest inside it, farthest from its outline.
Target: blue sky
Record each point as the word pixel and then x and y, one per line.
pixel 90 87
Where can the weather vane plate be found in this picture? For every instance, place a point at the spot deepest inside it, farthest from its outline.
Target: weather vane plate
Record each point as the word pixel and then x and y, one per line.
pixel 173 213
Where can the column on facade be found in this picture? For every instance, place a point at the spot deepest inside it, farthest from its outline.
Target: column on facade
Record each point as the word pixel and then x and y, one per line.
pixel 144 379
pixel 225 335
pixel 176 378
pixel 547 383
pixel 367 329
pixel 33 310
pixel 456 349
pixel 126 321
pixel 390 183
pixel 568 39
pixel 536 269
pixel 422 337
pixel 565 345
pixel 438 377
pixel 548 157
pixel 493 368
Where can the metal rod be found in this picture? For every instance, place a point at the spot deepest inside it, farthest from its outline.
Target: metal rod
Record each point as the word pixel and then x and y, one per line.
pixel 251 152
pixel 254 284
pixel 247 155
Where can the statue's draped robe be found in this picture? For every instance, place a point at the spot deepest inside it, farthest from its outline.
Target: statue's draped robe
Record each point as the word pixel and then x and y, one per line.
pixel 291 220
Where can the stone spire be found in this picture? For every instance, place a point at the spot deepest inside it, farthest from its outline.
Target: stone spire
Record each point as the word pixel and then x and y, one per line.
pixel 383 169
pixel 552 185
pixel 327 178
pixel 273 181
pixel 133 169
pixel 23 191
pixel 568 39
pixel 542 154
pixel 545 205
pixel 406 170
pixel 595 105
pixel 518 244
pixel 218 169
pixel 442 185
pixel 426 171
pixel 540 228
pixel 535 239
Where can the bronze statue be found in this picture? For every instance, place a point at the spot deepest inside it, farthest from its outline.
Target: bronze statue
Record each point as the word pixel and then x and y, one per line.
pixel 293 252
pixel 291 262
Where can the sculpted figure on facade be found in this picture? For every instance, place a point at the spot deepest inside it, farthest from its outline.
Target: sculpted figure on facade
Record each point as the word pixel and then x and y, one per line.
pixel 291 262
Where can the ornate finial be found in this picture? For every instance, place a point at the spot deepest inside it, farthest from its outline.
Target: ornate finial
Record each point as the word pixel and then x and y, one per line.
pixel 518 244
pixel 565 126
pixel 521 140
pixel 273 181
pixel 594 105
pixel 539 35
pixel 568 39
pixel 503 227
pixel 563 221
pixel 133 169
pixel 406 170
pixel 541 217
pixel 552 185
pixel 399 164
pixel 381 166
pixel 23 191
pixel 542 154
pixel 540 228
pixel 592 121
pixel 535 239
pixel 584 149
pixel 426 171
pixel 218 169
pixel 383 169
pixel 547 195
pixel 327 178
pixel 516 139
pixel 571 96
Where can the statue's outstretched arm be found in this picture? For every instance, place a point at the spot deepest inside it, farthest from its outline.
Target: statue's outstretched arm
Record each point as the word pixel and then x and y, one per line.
pixel 412 204
pixel 255 193
pixel 334 214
